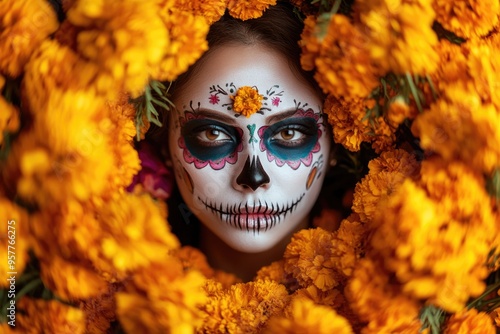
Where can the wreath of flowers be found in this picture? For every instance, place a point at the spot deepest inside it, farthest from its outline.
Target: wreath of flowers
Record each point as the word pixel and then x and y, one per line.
pixel 412 85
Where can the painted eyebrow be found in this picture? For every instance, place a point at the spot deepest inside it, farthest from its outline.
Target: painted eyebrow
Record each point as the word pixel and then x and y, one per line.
pixel 280 116
pixel 216 115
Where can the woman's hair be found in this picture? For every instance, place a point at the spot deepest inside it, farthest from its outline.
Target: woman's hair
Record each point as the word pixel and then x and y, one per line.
pixel 279 29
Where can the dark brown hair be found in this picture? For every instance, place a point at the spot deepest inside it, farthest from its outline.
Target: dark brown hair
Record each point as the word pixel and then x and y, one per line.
pixel 278 29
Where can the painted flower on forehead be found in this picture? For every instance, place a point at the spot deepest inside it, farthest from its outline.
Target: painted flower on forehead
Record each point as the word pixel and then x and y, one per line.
pixel 247 101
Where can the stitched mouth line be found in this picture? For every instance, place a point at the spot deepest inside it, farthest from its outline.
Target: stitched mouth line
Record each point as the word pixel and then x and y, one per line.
pixel 242 215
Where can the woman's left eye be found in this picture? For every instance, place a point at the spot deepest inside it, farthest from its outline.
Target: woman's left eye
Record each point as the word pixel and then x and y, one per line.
pixel 289 135
pixel 212 135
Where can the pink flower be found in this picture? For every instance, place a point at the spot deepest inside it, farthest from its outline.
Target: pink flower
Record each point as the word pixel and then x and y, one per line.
pixel 154 176
pixel 276 101
pixel 214 99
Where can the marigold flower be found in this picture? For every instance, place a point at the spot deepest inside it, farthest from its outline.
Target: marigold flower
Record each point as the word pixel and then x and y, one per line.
pixel 162 298
pixel 451 267
pixel 211 10
pixel 459 126
pixel 274 272
pixel 332 298
pixel 343 66
pixel 48 316
pixel 187 42
pixel 318 257
pixel 469 321
pixel 247 101
pixel 192 258
pixel 125 40
pixel 9 117
pixel 380 302
pixel 387 173
pixel 244 307
pixel 24 24
pixel 347 117
pixel 14 239
pixel 245 10
pixel 306 317
pixel 467 18
pixel 398 111
pixel 398 30
pixel 495 316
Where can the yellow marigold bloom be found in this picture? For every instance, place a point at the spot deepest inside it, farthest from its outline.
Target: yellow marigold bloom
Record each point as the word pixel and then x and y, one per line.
pixel 192 258
pixel 187 42
pixel 306 317
pixel 379 301
pixel 398 111
pixel 469 321
pixel 56 69
pixel 386 174
pixel 9 117
pixel 399 35
pixel 24 24
pixel 467 18
pixel 48 316
pixel 347 117
pixel 124 39
pixel 495 316
pixel 274 272
pixel 397 160
pixel 247 101
pixel 133 234
pixel 342 62
pixel 459 126
pixel 211 10
pixel 245 10
pixel 332 298
pixel 162 298
pixel 244 307
pixel 14 240
pixel 450 213
pixel 100 311
pixel 318 257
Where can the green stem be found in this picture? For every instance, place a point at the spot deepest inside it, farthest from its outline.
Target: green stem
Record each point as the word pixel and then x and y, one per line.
pixel 479 300
pixel 414 91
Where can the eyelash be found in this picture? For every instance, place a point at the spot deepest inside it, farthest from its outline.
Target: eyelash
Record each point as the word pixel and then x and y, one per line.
pixel 306 132
pixel 197 132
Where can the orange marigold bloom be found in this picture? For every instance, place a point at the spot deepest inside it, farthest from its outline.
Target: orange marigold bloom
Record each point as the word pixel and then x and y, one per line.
pixel 48 316
pixel 341 59
pixel 304 316
pixel 24 24
pixel 14 240
pixel 450 213
pixel 210 10
pixel 347 117
pixel 245 10
pixel 244 307
pixel 126 40
pixel 386 174
pixel 467 18
pixel 318 257
pixel 187 42
pixel 379 301
pixel 247 101
pixel 274 272
pixel 495 316
pixel 192 258
pixel 398 111
pixel 399 36
pixel 9 117
pixel 460 127
pixel 469 321
pixel 332 298
pixel 162 298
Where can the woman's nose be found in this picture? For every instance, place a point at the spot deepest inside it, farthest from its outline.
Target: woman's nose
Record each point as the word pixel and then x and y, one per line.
pixel 253 174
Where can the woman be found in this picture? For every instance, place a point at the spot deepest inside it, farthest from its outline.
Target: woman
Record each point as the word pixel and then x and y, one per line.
pixel 248 141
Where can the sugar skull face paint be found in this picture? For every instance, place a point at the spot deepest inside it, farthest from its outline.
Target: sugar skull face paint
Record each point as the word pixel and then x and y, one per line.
pixel 253 180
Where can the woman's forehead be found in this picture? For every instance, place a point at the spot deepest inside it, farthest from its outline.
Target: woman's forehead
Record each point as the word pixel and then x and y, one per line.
pixel 228 68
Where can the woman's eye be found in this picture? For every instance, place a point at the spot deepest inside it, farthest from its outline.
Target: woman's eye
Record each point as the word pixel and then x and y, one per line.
pixel 289 135
pixel 213 135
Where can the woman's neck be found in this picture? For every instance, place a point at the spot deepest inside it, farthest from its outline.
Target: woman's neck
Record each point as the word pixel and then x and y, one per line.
pixel 244 265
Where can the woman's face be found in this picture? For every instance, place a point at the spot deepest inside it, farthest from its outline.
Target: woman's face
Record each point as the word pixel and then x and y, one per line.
pixel 251 180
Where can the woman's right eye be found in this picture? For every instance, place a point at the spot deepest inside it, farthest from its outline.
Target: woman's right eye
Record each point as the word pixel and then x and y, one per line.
pixel 213 135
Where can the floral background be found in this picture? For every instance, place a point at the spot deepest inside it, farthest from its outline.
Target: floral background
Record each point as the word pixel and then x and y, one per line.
pixel 413 86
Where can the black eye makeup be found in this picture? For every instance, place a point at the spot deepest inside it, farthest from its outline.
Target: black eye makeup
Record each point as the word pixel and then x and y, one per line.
pixel 210 140
pixel 292 138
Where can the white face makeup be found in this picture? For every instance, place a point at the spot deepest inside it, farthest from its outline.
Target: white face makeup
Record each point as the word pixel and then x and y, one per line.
pixel 251 180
